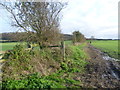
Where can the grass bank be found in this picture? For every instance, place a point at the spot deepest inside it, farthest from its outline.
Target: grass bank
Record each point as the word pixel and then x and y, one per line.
pixel 43 69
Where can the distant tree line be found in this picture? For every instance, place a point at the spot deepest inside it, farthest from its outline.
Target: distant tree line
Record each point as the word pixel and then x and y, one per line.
pixel 13 36
pixel 23 36
pixel 67 37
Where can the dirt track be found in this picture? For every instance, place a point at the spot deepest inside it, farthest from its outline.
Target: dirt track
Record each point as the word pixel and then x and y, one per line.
pixel 100 73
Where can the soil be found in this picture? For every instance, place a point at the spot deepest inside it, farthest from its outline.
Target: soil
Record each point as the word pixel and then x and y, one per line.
pixel 100 73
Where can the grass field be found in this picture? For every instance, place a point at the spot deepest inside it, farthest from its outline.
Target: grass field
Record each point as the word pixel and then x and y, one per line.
pixel 68 42
pixel 108 46
pixel 8 46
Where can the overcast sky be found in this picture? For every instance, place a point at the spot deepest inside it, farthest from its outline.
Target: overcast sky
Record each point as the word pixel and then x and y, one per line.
pixel 97 18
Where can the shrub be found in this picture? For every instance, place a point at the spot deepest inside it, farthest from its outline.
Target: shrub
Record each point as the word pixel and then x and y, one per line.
pixel 78 37
pixel 17 62
pixel 18 54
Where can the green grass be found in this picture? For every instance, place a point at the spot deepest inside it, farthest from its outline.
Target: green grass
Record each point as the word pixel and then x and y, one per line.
pixel 68 42
pixel 8 46
pixel 108 46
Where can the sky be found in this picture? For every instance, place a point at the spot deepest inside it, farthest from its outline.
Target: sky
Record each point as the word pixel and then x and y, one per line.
pixel 98 18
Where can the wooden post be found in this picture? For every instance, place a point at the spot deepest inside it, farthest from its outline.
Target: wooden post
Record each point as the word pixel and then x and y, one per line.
pixel 63 49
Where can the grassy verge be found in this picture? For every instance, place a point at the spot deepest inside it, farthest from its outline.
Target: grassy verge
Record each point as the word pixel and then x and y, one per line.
pixel 110 47
pixel 54 72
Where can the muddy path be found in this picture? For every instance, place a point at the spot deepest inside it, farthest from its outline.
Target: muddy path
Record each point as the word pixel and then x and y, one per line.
pixel 101 72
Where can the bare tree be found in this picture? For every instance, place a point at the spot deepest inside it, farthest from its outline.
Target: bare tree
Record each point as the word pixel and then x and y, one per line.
pixel 39 19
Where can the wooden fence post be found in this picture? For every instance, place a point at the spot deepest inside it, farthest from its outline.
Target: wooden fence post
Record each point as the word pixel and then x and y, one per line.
pixel 63 49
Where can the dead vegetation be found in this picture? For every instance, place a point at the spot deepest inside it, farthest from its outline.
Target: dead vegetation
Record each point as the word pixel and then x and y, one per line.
pixel 46 62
